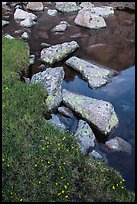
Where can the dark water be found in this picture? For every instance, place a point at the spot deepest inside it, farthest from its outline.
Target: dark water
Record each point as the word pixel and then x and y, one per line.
pixel 112 47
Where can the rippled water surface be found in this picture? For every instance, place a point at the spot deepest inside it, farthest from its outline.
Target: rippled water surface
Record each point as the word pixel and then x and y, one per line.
pixel 112 47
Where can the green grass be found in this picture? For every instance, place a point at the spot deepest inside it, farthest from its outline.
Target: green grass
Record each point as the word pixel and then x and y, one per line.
pixel 40 163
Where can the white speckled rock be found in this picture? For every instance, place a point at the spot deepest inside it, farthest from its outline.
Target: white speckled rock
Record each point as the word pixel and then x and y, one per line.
pixel 25 35
pixel 21 15
pixel 57 52
pixel 95 75
pixel 59 28
pixel 27 23
pixel 103 11
pixel 86 5
pixel 99 113
pixel 87 19
pixel 51 79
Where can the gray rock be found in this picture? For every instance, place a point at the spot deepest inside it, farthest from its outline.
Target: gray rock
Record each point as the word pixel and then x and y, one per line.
pixel 18 31
pixel 21 15
pixel 35 6
pixel 27 23
pixel 95 75
pixel 85 136
pixel 25 35
pixel 9 37
pixel 86 5
pixel 57 52
pixel 27 80
pixel 32 59
pixel 98 156
pixel 45 45
pixel 59 28
pixel 87 19
pixel 123 5
pixel 103 11
pixel 51 79
pixel 52 12
pixel 118 144
pixel 67 6
pixel 99 113
pixel 4 23
pixel 4 3
pixel 56 122
pixel 64 22
pixel 65 111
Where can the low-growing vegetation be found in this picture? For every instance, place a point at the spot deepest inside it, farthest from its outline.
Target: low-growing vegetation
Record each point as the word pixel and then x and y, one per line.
pixel 39 162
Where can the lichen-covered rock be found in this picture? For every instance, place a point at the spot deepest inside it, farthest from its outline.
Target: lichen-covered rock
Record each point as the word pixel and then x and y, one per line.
pixel 65 111
pixel 99 113
pixel 86 5
pixel 51 79
pixel 52 12
pixel 4 23
pixel 85 136
pixel 21 15
pixel 103 11
pixel 67 6
pixel 57 52
pixel 56 122
pixel 95 75
pixel 27 23
pixel 118 144
pixel 35 6
pixel 87 19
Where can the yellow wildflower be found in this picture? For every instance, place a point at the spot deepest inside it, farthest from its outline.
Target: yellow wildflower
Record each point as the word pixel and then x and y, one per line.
pixel 66 196
pixel 62 191
pixel 65 187
pixel 113 187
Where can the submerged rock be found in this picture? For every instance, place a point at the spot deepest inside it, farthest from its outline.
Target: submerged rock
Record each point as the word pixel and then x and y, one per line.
pixel 103 11
pixel 85 136
pixel 95 75
pixel 21 15
pixel 4 23
pixel 65 111
pixel 67 6
pixel 118 144
pixel 57 52
pixel 56 122
pixel 35 6
pixel 98 155
pixel 87 19
pixel 99 113
pixel 51 79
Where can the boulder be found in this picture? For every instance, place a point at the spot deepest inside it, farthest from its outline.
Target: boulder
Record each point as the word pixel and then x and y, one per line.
pixel 98 155
pixel 25 35
pixel 60 27
pixel 118 144
pixel 87 19
pixel 99 113
pixel 95 75
pixel 9 37
pixel 21 15
pixel 86 5
pixel 85 136
pixel 103 11
pixel 52 12
pixel 27 23
pixel 65 111
pixel 51 79
pixel 56 122
pixel 67 6
pixel 57 52
pixel 35 6
pixel 4 23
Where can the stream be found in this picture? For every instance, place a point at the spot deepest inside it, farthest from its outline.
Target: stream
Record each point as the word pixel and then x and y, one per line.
pixel 112 47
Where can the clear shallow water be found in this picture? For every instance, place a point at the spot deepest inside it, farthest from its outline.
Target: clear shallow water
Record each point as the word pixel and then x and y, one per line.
pixel 114 48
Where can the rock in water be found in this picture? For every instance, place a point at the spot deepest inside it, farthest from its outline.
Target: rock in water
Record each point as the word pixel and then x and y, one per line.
pixel 67 6
pixel 87 19
pixel 56 121
pixel 99 113
pixel 95 75
pixel 57 52
pixel 85 136
pixel 51 79
pixel 65 111
pixel 35 6
pixel 118 144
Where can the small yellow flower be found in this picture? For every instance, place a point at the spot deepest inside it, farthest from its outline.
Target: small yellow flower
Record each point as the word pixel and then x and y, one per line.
pixel 59 194
pixel 35 165
pixel 47 146
pixel 58 144
pixel 11 193
pixel 64 138
pixel 113 187
pixel 122 187
pixel 62 191
pixel 65 187
pixel 3 159
pixel 46 138
pixel 59 148
pixel 117 184
pixel 43 148
pixel 47 142
pixel 21 200
pixel 77 149
pixel 39 182
pixel 48 162
pixel 66 196
pixel 120 181
pixel 123 179
pixel 6 88
pixel 8 165
pixel 62 177
pixel 56 183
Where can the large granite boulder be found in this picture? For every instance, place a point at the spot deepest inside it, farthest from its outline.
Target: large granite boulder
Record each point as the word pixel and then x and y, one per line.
pixel 87 19
pixel 103 11
pixel 85 136
pixel 57 52
pixel 118 144
pixel 95 75
pixel 21 15
pixel 35 6
pixel 99 113
pixel 67 6
pixel 51 79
